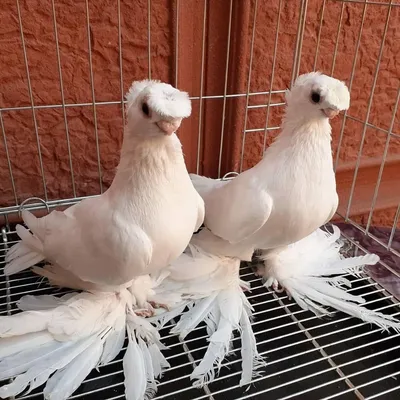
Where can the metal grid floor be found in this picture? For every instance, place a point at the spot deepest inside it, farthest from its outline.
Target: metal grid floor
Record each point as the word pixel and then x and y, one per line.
pixel 307 357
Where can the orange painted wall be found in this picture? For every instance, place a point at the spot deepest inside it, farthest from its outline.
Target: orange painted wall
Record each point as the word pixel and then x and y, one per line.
pixel 185 44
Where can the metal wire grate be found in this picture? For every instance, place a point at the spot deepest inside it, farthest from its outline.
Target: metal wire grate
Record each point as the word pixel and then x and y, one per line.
pixel 308 357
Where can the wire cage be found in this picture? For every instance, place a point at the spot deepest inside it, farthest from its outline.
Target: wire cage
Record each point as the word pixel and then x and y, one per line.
pixel 65 66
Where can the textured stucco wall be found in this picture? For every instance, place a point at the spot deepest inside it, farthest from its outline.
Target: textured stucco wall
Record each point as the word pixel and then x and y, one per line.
pixel 38 28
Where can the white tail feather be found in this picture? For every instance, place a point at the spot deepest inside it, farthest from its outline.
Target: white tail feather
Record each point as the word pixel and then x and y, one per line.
pixel 66 380
pixel 160 320
pixel 16 344
pixel 151 386
pixel 160 364
pixel 304 269
pixel 251 360
pixel 211 287
pixel 194 316
pixel 133 363
pixel 75 334
pixel 113 345
pixel 19 324
pixel 38 372
pixel 217 350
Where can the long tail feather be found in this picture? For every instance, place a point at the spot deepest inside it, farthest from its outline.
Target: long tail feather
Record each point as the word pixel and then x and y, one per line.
pixel 66 380
pixel 251 360
pixel 66 337
pixel 53 357
pixel 134 366
pixel 213 293
pixel 16 344
pixel 113 345
pixel 305 270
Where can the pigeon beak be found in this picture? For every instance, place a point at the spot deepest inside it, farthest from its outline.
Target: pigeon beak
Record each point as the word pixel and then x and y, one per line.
pixel 169 126
pixel 331 112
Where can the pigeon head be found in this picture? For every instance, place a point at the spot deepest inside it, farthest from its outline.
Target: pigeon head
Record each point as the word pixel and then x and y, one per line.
pixel 318 95
pixel 155 108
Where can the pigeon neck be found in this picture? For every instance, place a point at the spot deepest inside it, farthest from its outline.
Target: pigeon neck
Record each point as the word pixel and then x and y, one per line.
pixel 296 117
pixel 147 159
pixel 297 123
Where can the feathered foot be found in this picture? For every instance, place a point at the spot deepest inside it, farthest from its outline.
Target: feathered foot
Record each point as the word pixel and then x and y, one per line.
pixel 145 312
pixel 58 341
pixel 214 294
pixel 311 271
pixel 149 310
pixel 159 305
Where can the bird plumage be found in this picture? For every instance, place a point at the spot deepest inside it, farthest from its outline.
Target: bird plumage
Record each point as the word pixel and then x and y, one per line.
pixel 292 190
pixel 106 246
pixel 278 206
pixel 141 223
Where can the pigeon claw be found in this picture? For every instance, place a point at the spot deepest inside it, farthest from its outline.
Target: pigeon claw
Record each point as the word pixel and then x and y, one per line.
pixel 159 305
pixel 146 312
pixel 281 289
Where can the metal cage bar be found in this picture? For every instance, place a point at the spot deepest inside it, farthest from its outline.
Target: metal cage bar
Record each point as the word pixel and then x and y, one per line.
pixel 322 344
pixel 28 77
pixel 96 133
pixel 253 34
pixel 60 76
pixel 368 110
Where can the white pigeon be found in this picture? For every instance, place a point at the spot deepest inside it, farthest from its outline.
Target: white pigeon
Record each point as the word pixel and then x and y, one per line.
pixel 140 224
pixel 106 246
pixel 277 206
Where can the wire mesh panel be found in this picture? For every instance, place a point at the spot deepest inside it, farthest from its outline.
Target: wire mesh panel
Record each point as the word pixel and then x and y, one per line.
pixel 337 357
pixel 65 66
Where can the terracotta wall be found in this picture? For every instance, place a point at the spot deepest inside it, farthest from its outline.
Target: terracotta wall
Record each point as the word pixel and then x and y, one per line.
pixel 177 34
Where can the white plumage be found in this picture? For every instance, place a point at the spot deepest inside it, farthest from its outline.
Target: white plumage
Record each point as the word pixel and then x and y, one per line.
pixel 141 223
pixel 278 206
pixel 210 287
pixel 106 246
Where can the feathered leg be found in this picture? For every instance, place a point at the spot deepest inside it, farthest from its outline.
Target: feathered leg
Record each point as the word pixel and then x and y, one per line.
pixel 311 271
pixel 211 289
pixel 58 341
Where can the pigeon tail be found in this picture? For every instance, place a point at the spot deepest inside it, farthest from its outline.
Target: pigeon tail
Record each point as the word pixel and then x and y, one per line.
pixel 312 272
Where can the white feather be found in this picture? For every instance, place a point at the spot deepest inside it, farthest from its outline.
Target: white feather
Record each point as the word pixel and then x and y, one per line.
pixel 194 316
pixel 82 315
pixel 216 298
pixel 251 360
pixel 15 344
pixel 216 352
pixel 19 363
pixel 159 362
pixel 151 386
pixel 43 366
pixel 66 380
pixel 134 369
pixel 19 324
pixel 160 320
pixel 43 302
pixel 115 336
pixel 113 345
pixel 304 269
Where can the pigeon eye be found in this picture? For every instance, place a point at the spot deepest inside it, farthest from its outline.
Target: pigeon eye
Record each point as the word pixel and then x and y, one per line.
pixel 315 97
pixel 145 109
